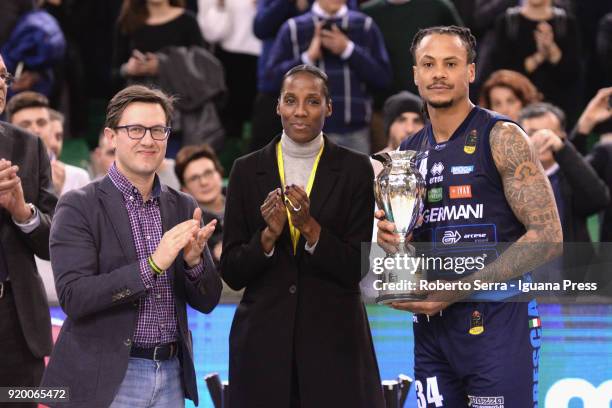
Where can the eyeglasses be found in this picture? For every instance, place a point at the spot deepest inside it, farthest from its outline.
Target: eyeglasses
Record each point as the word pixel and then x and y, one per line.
pixel 137 132
pixel 197 177
pixel 7 78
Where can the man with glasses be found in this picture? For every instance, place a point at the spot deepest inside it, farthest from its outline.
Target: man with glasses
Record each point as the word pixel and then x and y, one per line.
pixel 128 254
pixel 26 207
pixel 201 176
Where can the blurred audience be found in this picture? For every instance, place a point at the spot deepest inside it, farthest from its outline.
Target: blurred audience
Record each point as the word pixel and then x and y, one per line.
pixel 507 92
pixel 36 44
pixel 145 27
pixel 542 42
pixel 201 175
pixel 30 111
pixel 403 116
pixel 228 24
pixel 578 190
pixel 604 47
pixel 399 21
pixel 349 47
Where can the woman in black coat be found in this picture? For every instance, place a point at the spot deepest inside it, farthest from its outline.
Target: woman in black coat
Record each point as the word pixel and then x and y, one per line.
pixel 300 336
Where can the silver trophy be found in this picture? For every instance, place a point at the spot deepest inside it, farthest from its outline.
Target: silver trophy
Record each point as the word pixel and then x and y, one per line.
pixel 400 191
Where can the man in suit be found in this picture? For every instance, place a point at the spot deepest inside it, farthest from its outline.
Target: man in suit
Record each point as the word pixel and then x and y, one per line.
pixel 579 192
pixel 26 207
pixel 128 254
pixel 295 218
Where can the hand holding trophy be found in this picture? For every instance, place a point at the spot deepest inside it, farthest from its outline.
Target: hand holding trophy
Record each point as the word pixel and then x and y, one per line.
pixel 399 190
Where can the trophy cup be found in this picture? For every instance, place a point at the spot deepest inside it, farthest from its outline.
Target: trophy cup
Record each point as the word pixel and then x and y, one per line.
pixel 399 190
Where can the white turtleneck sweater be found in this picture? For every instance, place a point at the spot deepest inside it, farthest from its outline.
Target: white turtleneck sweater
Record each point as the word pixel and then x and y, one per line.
pixel 298 159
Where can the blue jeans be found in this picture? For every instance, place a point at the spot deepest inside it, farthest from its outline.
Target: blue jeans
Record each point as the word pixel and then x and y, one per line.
pixel 151 384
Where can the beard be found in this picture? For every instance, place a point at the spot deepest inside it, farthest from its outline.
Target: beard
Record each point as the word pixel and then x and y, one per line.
pixel 440 104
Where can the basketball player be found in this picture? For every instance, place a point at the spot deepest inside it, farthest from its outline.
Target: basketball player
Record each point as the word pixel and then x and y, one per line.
pixel 485 186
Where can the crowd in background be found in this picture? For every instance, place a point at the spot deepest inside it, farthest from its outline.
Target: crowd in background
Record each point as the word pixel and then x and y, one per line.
pixel 224 61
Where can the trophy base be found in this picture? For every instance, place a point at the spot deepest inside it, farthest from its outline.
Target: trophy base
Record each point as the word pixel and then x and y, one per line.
pixel 399 297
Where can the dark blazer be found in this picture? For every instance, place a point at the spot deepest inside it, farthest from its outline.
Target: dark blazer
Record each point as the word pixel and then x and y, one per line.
pixel 98 284
pixel 583 194
pixel 28 152
pixel 303 309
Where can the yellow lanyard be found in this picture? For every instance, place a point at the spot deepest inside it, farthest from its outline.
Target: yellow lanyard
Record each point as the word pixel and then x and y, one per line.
pixel 295 233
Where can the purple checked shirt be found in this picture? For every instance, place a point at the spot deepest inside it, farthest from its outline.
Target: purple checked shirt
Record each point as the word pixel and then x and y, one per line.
pixel 156 314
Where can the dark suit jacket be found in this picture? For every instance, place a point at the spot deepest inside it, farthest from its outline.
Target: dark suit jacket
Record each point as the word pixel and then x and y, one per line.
pixel 98 284
pixel 304 309
pixel 584 194
pixel 28 152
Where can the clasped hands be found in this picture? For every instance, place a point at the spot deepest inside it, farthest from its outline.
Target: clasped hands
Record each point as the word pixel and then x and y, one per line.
pixel 11 192
pixel 187 236
pixel 274 212
pixel 333 40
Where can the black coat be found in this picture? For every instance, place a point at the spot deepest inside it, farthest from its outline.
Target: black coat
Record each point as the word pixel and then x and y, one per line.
pixel 28 152
pixel 303 309
pixel 583 194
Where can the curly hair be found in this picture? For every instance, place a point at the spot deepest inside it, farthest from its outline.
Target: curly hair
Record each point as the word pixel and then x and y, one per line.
pixel 518 83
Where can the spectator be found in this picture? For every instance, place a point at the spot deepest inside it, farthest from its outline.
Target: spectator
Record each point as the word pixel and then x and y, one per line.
pixel 160 43
pixel 229 25
pixel 271 14
pixel 507 92
pixel 146 27
pixel 102 158
pixel 10 11
pixel 597 119
pixel 201 175
pixel 35 46
pixel 348 46
pixel 578 191
pixel 30 111
pixel 604 46
pixel 403 116
pixel 399 21
pixel 27 204
pixel 597 112
pixel 542 42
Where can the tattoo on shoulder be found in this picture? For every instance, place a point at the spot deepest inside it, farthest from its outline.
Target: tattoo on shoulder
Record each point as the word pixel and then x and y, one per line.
pixel 526 186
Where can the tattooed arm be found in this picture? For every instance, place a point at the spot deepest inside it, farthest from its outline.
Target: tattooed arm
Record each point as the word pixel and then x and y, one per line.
pixel 530 196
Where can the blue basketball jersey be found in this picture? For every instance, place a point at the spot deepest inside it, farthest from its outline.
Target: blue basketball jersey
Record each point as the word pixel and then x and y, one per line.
pixel 465 212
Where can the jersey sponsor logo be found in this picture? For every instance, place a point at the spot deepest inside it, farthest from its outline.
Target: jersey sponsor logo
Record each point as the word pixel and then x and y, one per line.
pixel 464 191
pixel 436 171
pixel 451 237
pixel 434 195
pixel 439 147
pixel 486 402
pixel 470 142
pixel 476 325
pixel 456 170
pixel 467 236
pixel 453 212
